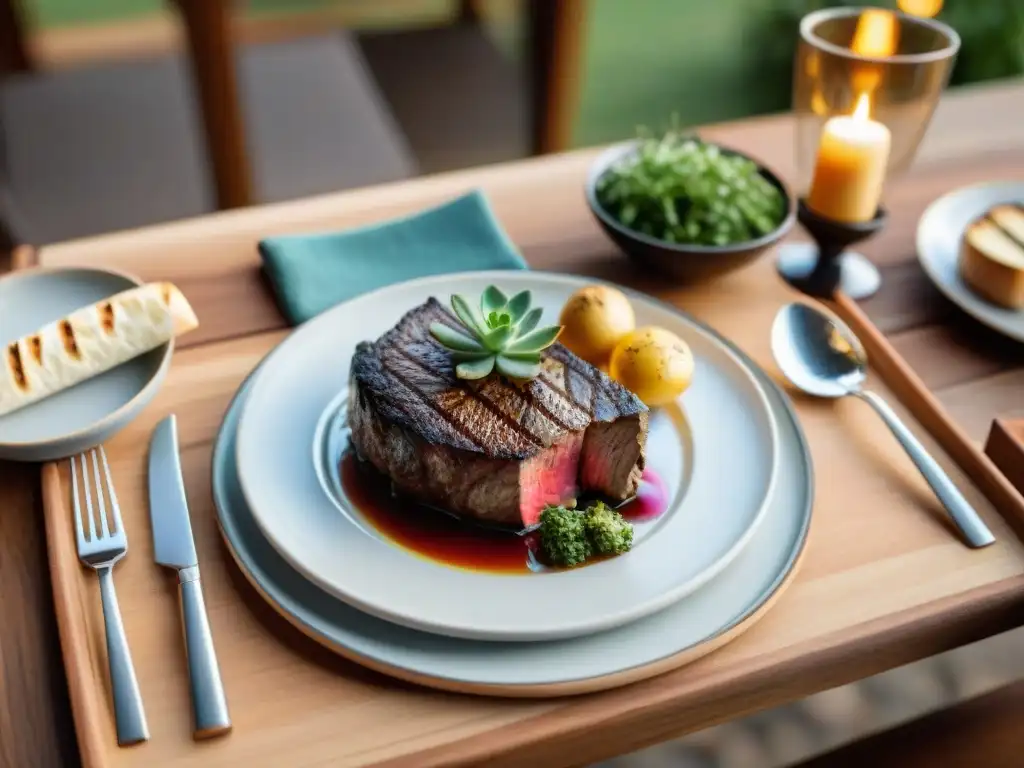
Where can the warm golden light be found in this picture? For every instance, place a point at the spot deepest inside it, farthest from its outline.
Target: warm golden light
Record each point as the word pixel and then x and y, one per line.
pixel 927 9
pixel 877 34
pixel 818 103
pixel 863 109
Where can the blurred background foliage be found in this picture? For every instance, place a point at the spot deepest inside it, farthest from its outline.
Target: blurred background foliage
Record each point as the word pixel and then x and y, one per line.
pixel 703 60
pixel 711 60
pixel 991 34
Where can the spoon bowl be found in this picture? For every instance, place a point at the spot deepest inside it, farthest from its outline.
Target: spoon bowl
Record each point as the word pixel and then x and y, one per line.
pixel 818 352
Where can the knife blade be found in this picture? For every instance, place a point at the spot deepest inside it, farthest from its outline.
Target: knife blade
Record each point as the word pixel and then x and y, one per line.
pixel 174 548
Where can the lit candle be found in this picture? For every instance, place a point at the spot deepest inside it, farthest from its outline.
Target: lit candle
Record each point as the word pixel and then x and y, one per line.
pixel 850 168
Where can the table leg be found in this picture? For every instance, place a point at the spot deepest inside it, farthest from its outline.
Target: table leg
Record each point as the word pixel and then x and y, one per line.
pixel 36 728
pixel 555 30
pixel 208 29
pixel 14 56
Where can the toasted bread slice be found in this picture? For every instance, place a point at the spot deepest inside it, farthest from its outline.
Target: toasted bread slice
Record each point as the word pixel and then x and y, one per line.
pixel 1010 219
pixel 992 262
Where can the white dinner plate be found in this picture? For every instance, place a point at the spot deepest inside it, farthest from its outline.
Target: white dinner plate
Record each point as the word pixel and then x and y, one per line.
pixel 716 452
pixel 939 233
pixel 694 625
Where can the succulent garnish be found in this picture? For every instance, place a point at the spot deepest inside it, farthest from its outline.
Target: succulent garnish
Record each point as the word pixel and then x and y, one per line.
pixel 501 334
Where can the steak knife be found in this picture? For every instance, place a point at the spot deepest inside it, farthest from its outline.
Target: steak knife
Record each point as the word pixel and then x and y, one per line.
pixel 174 548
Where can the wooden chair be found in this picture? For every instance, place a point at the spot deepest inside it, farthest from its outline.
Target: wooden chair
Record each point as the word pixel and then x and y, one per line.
pixel 116 145
pixel 554 35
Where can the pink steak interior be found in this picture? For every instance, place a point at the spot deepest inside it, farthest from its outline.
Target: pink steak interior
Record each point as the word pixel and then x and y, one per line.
pixel 549 478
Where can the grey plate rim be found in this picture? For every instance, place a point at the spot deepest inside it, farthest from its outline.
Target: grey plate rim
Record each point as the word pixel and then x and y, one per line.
pixel 111 420
pixel 754 611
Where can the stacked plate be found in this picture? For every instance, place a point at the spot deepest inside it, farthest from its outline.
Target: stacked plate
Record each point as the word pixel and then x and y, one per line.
pixel 733 472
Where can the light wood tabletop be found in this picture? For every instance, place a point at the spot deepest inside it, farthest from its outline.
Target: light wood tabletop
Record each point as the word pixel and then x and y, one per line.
pixel 977 376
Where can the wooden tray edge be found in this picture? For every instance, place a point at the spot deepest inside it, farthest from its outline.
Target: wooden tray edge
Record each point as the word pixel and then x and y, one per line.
pixel 927 409
pixel 1005 447
pixel 85 683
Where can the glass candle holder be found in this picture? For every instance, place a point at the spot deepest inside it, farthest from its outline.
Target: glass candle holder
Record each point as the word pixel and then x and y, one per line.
pixel 886 69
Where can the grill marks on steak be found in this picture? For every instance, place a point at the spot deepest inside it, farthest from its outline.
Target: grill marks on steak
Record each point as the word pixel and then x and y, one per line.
pixel 512 449
pixel 498 418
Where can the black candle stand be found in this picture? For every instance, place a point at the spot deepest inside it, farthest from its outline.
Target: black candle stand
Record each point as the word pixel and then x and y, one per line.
pixel 825 267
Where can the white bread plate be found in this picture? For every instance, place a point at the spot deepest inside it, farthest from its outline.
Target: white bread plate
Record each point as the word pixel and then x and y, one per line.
pixel 940 233
pixel 90 411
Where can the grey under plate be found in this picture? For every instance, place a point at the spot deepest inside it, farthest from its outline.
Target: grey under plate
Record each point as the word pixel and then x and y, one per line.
pixel 450 661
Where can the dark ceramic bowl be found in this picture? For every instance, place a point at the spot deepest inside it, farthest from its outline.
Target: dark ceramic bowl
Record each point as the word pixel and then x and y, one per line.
pixel 677 260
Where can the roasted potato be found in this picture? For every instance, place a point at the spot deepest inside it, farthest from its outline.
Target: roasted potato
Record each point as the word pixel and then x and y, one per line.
pixel 653 363
pixel 593 321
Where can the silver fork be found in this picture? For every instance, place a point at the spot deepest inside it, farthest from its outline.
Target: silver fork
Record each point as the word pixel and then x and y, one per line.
pixel 101 552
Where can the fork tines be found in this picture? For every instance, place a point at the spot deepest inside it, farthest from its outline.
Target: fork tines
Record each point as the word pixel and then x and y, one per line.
pixel 103 489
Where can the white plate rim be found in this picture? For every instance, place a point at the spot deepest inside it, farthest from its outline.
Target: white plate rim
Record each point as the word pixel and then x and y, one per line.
pixel 552 630
pixel 985 313
pixel 568 686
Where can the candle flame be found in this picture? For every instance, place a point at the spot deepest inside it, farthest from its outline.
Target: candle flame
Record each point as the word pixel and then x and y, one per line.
pixel 925 8
pixel 863 109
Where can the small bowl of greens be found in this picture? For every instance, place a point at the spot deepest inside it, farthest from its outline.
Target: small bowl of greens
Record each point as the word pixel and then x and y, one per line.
pixel 688 208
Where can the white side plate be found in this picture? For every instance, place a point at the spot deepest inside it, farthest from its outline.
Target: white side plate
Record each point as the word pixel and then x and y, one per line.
pixel 939 233
pixel 718 486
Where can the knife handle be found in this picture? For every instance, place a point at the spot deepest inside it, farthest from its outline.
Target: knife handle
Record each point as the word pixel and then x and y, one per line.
pixel 209 705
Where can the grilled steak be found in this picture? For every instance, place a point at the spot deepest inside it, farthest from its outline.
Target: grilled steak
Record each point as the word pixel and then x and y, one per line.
pixel 490 449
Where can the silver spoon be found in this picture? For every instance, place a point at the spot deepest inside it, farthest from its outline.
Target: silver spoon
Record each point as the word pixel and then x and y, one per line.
pixel 819 354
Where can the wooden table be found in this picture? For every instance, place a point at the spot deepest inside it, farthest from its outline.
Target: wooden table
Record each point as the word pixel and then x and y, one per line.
pixel 974 137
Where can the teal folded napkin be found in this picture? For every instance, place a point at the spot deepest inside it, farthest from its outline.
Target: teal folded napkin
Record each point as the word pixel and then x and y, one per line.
pixel 312 272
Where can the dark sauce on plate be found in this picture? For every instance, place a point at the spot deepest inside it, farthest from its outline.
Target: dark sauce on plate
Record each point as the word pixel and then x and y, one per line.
pixel 458 542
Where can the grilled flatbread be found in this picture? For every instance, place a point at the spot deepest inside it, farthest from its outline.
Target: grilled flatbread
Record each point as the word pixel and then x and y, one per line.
pixel 91 340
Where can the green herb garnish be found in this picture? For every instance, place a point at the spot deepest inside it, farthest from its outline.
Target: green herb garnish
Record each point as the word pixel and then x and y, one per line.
pixel 608 531
pixel 569 536
pixel 680 189
pixel 563 538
